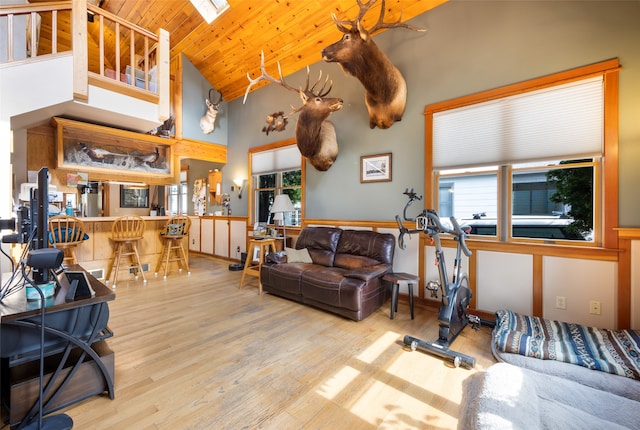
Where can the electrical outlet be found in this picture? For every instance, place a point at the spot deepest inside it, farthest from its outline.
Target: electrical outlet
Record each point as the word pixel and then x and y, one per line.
pixel 561 302
pixel 238 249
pixel 594 307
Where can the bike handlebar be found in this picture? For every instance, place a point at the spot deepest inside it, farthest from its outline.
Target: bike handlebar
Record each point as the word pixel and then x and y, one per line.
pixel 432 219
pixel 461 236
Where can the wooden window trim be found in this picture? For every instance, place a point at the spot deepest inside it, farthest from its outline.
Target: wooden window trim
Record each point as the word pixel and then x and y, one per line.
pixel 303 176
pixel 609 69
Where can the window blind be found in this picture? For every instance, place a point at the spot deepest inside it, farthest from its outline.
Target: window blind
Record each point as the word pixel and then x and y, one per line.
pixel 276 160
pixel 560 122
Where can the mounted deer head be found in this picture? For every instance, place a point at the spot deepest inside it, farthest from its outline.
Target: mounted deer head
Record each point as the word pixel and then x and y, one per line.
pixel 359 56
pixel 208 120
pixel 315 136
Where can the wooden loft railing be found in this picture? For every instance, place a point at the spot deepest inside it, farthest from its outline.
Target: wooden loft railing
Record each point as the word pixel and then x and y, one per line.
pixel 108 52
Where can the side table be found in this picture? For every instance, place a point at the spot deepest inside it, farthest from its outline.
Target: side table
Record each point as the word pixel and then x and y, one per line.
pixel 252 267
pixel 398 279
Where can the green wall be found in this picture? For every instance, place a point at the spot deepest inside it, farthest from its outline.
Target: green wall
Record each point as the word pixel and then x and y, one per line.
pixel 470 46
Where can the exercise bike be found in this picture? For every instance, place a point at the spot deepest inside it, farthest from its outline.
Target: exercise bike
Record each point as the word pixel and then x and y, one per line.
pixel 455 294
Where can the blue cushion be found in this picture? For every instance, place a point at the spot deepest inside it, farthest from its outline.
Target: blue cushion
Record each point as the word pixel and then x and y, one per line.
pixel 174 230
pixel 60 235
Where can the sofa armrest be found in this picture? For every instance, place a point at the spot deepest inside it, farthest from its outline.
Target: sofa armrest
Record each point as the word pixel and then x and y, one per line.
pixel 276 257
pixel 369 272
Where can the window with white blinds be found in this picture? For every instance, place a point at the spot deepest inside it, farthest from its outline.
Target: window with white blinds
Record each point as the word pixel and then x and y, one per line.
pixel 558 122
pixel 276 160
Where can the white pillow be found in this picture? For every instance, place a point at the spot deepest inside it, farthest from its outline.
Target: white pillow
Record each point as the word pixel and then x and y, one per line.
pixel 298 255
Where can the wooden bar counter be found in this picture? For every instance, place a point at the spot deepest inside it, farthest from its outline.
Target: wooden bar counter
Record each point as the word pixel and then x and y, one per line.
pixel 95 253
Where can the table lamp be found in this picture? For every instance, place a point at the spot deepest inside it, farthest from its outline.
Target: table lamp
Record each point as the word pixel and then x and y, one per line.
pixel 282 204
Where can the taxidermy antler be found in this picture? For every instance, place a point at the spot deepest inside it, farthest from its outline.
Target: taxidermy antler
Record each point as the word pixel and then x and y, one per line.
pixel 208 120
pixel 315 135
pixel 359 56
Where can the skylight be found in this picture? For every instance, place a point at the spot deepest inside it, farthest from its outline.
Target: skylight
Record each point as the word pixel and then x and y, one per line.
pixel 210 9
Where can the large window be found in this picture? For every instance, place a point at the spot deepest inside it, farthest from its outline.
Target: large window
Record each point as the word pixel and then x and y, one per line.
pixel 527 161
pixel 276 170
pixel 177 196
pixel 268 185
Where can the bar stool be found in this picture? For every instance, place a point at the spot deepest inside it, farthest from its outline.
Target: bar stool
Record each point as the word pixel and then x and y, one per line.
pixel 398 279
pixel 66 232
pixel 125 232
pixel 251 267
pixel 176 229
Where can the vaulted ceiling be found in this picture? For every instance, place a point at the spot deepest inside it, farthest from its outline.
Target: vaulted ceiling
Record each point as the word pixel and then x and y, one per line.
pixel 290 31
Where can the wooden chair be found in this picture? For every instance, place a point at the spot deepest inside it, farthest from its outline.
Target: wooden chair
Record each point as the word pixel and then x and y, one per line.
pixel 176 229
pixel 66 232
pixel 125 233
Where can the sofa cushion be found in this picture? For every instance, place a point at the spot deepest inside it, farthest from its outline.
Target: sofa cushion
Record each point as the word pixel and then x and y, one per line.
pixel 368 248
pixel 287 277
pixel 348 261
pixel 321 243
pixel 328 285
pixel 298 255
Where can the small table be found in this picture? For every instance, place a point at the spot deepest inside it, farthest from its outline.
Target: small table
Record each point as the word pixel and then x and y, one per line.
pixel 251 266
pixel 398 279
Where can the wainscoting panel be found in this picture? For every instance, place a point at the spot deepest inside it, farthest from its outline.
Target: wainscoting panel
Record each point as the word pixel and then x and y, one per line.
pixel 580 281
pixel 504 281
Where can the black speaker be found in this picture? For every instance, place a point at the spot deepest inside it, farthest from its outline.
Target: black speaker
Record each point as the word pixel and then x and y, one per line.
pixel 45 258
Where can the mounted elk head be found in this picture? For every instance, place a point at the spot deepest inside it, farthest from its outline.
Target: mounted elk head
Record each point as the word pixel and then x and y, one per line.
pixel 315 135
pixel 208 120
pixel 359 56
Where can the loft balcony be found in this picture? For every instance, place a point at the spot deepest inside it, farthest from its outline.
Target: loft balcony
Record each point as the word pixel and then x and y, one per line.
pixel 73 59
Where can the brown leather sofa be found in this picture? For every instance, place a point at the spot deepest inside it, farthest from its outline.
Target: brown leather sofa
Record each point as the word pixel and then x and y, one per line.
pixel 346 274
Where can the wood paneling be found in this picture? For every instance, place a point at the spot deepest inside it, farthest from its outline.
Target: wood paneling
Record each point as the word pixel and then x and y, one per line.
pixel 292 32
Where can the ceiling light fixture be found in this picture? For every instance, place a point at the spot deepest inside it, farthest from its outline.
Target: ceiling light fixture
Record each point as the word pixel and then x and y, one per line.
pixel 210 9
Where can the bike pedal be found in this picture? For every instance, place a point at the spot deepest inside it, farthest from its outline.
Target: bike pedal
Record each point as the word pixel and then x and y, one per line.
pixel 474 320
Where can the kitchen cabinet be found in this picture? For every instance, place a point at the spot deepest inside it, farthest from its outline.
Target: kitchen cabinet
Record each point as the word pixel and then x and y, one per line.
pixel 206 235
pixel 194 235
pixel 214 183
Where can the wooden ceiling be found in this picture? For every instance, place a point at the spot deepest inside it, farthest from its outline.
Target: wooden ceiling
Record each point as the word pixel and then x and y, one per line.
pixel 290 31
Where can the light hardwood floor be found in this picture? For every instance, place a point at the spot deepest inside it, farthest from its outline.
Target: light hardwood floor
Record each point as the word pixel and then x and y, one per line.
pixel 197 352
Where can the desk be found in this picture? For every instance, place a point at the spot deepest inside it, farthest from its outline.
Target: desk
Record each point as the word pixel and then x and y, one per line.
pixel 78 362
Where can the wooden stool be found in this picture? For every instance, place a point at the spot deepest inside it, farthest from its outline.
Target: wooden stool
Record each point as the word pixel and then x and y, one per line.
pixel 176 229
pixel 398 279
pixel 66 232
pixel 125 232
pixel 252 268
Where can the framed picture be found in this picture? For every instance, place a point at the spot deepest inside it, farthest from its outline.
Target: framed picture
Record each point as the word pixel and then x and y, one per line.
pixel 375 168
pixel 134 196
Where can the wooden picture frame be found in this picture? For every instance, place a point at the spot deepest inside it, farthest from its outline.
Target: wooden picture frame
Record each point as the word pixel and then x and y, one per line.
pixel 375 168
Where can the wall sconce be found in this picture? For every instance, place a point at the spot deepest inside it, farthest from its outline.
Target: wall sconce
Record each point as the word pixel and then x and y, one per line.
pixel 238 183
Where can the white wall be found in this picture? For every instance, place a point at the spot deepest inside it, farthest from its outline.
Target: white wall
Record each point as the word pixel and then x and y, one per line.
pixel 580 281
pixel 504 281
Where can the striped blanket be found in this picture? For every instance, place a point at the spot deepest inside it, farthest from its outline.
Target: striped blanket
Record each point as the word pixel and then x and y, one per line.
pixel 612 351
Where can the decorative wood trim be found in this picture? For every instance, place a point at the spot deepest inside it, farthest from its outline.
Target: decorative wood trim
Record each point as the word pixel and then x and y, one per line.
pixel 79 43
pixel 624 285
pixel 610 162
pixel 122 88
pixel 537 297
pixel 187 148
pixel 628 232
